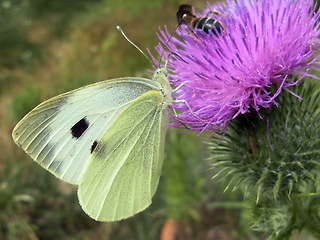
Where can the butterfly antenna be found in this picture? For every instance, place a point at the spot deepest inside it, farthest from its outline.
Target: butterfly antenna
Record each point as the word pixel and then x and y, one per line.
pixel 125 36
pixel 166 44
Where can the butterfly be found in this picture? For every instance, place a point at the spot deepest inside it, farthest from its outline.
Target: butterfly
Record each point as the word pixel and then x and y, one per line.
pixel 107 138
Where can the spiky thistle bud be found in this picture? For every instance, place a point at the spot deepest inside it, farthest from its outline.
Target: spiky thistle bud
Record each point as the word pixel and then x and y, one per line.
pixel 276 162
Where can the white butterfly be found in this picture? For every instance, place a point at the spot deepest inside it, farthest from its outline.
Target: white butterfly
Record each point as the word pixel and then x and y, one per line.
pixel 107 137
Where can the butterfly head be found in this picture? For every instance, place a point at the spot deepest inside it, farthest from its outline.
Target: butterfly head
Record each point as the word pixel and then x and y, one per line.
pixel 160 76
pixel 161 72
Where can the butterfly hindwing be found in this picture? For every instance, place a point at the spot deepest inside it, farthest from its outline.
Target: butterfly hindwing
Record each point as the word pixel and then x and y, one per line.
pixel 63 132
pixel 124 169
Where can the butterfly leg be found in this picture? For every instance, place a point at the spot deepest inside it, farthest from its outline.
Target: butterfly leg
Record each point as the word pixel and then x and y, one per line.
pixel 188 106
pixel 177 88
pixel 185 102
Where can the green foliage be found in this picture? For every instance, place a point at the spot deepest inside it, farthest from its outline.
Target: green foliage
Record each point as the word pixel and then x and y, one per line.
pixel 183 167
pixel 279 218
pixel 31 203
pixel 66 9
pixel 70 83
pixel 136 6
pixel 12 40
pixel 17 18
pixel 6 81
pixel 275 163
pixel 271 217
pixel 23 102
pixel 36 205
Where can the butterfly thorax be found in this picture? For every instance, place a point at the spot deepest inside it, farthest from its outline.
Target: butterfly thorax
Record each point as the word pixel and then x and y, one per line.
pixel 161 76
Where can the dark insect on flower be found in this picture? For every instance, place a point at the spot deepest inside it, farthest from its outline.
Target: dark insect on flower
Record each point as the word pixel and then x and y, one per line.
pixel 268 46
pixel 206 24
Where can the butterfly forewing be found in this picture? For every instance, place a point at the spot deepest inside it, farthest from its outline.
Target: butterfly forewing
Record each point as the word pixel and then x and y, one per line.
pixel 124 169
pixel 61 133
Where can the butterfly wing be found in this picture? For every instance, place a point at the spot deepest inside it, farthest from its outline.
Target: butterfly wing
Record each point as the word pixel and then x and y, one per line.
pixel 62 132
pixel 124 169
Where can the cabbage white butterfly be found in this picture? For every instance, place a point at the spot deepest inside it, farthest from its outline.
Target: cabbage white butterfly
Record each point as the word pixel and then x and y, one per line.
pixel 107 137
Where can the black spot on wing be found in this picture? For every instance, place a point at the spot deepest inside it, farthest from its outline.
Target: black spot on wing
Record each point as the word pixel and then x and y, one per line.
pixel 78 129
pixel 93 146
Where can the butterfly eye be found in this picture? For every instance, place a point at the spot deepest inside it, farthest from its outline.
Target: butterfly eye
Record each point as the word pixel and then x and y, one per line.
pixel 161 71
pixel 158 71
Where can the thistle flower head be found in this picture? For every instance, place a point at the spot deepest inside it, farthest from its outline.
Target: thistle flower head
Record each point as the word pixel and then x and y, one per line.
pixel 263 43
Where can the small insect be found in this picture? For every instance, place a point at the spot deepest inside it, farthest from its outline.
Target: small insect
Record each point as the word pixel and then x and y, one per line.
pixel 206 24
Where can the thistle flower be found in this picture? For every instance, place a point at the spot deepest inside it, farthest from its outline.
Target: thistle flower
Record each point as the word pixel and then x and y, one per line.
pixel 220 76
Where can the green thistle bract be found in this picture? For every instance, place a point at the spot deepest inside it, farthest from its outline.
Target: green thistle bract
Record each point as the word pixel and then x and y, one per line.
pixel 275 162
pixel 278 165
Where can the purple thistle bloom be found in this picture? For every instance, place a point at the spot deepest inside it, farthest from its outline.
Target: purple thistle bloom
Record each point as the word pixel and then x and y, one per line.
pixel 265 43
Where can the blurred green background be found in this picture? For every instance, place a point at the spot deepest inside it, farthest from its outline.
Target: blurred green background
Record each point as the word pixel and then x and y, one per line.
pixel 49 47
